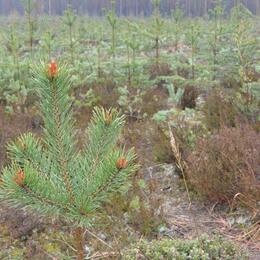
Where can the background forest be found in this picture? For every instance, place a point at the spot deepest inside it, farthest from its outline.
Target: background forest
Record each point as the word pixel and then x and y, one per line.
pixel 126 7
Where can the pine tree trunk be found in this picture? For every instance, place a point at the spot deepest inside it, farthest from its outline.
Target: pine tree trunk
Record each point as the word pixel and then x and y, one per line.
pixel 79 242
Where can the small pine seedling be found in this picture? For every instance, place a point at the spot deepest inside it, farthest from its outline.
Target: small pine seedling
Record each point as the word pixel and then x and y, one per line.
pixel 49 175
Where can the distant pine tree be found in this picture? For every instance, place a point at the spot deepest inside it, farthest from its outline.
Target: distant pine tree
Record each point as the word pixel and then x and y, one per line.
pixel 50 175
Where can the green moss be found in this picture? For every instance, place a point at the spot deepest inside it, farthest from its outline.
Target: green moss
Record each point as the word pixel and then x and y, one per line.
pixel 16 253
pixel 202 248
pixel 52 241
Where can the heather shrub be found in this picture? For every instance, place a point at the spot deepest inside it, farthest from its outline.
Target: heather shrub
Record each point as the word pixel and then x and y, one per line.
pixel 219 109
pixel 189 97
pixel 162 69
pixel 225 167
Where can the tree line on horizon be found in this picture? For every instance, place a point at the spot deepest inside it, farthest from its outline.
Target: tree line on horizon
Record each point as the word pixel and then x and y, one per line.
pixel 123 7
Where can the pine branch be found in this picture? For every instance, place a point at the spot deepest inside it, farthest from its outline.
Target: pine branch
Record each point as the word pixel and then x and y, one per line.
pixel 112 184
pixel 58 123
pixel 58 129
pixel 103 136
pixel 108 179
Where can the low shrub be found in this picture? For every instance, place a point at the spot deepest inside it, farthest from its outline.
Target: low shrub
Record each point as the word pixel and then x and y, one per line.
pixel 163 69
pixel 189 97
pixel 224 167
pixel 162 152
pixel 201 248
pixel 219 109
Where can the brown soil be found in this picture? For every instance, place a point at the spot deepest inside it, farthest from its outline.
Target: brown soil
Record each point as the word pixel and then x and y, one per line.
pixel 12 126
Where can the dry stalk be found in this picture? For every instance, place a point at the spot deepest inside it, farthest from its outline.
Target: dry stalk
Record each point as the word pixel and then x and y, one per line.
pixel 179 162
pixel 246 201
pixel 104 255
pixel 98 238
pixel 252 233
pixel 181 165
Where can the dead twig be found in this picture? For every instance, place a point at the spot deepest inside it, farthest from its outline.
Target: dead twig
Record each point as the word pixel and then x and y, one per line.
pixel 103 255
pixel 98 238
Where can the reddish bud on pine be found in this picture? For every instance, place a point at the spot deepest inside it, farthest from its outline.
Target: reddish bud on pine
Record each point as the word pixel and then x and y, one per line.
pixel 121 163
pixel 53 69
pixel 19 178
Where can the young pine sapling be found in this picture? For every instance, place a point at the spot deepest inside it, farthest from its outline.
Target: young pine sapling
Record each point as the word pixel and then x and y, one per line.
pixel 244 51
pixel 132 48
pixel 177 15
pixel 157 31
pixel 69 20
pixel 50 176
pixel 193 35
pixel 14 46
pixel 112 19
pixel 29 6
pixel 215 34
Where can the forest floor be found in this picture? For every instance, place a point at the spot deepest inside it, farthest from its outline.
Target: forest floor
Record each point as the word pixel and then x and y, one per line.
pixel 23 236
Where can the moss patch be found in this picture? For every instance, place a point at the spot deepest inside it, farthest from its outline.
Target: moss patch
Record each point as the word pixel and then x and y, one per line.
pixel 201 248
